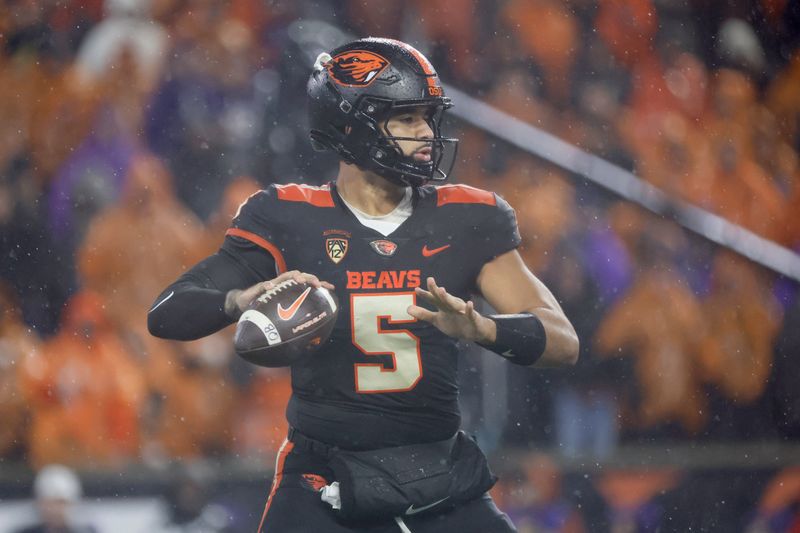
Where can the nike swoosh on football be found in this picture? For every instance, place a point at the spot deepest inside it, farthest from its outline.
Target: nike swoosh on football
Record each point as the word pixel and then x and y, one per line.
pixel 428 252
pixel 412 510
pixel 288 313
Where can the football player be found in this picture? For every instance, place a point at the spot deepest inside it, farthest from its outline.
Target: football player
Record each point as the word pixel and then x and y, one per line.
pixel 404 253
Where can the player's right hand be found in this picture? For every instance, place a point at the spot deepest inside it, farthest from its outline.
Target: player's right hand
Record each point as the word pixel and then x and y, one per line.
pixel 240 300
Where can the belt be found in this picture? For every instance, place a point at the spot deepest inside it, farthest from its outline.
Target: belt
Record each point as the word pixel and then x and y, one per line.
pixel 311 445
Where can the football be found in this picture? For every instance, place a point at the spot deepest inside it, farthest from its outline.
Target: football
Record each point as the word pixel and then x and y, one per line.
pixel 286 323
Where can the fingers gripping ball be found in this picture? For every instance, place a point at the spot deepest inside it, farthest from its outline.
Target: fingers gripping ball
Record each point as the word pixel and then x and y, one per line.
pixel 285 324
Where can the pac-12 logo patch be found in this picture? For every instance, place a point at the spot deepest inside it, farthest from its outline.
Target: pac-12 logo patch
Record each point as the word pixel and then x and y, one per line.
pixel 384 247
pixel 356 68
pixel 336 248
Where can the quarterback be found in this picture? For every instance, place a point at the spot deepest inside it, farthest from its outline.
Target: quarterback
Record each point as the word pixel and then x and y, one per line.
pixel 374 441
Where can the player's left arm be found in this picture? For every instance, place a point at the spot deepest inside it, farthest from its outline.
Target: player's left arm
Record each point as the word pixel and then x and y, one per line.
pixel 511 288
pixel 531 327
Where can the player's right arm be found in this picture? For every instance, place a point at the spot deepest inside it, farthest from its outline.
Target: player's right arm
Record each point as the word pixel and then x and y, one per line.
pixel 194 305
pixel 213 293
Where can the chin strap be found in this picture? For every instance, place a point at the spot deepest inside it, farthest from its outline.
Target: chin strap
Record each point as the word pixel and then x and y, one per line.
pixel 521 338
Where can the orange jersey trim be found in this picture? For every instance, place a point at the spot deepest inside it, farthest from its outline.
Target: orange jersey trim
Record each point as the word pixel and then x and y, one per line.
pixel 262 242
pixel 463 194
pixel 316 196
pixel 286 448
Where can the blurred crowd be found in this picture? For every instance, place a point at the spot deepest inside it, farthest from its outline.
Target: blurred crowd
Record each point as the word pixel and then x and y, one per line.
pixel 131 131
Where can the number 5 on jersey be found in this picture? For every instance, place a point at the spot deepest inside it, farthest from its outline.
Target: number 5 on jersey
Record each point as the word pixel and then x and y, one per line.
pixel 368 310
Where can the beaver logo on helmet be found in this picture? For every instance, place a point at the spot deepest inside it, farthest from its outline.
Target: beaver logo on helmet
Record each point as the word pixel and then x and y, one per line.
pixel 356 68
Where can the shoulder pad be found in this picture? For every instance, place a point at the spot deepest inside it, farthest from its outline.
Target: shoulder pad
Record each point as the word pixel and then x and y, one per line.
pixel 310 194
pixel 463 194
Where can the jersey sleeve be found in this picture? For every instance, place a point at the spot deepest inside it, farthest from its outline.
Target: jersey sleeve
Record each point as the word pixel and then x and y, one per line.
pixel 258 222
pixel 499 232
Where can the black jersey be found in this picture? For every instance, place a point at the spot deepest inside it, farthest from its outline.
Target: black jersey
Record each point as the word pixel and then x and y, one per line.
pixel 383 378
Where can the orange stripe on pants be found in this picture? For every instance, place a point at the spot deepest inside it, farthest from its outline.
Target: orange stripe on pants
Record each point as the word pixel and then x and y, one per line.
pixel 285 449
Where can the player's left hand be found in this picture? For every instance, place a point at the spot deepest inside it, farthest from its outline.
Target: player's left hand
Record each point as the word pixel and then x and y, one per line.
pixel 454 317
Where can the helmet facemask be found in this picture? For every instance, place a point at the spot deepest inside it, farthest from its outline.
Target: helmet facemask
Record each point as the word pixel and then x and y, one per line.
pixel 380 150
pixel 412 171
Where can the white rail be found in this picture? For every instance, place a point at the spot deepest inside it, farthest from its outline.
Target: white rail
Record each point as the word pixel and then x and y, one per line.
pixel 625 184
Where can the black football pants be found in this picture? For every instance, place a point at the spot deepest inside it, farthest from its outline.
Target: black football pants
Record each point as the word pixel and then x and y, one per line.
pixel 294 505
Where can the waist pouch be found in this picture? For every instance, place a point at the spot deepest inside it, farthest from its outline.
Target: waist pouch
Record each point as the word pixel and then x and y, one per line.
pixel 407 480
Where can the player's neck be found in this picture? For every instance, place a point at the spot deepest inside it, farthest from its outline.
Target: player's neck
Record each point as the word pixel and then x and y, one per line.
pixel 368 192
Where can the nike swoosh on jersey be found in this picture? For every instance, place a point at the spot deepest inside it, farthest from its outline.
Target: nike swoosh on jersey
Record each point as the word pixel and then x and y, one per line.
pixel 162 301
pixel 288 313
pixel 414 510
pixel 427 252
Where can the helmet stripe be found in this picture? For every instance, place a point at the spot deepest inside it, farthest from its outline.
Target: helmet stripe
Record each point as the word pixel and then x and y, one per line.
pixel 427 68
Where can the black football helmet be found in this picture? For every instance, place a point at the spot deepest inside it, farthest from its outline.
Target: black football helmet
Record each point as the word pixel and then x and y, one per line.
pixel 357 88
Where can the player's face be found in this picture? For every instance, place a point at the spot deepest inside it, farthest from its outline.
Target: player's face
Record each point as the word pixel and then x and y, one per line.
pixel 412 123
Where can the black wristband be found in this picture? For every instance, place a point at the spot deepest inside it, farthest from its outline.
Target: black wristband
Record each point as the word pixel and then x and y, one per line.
pixel 520 338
